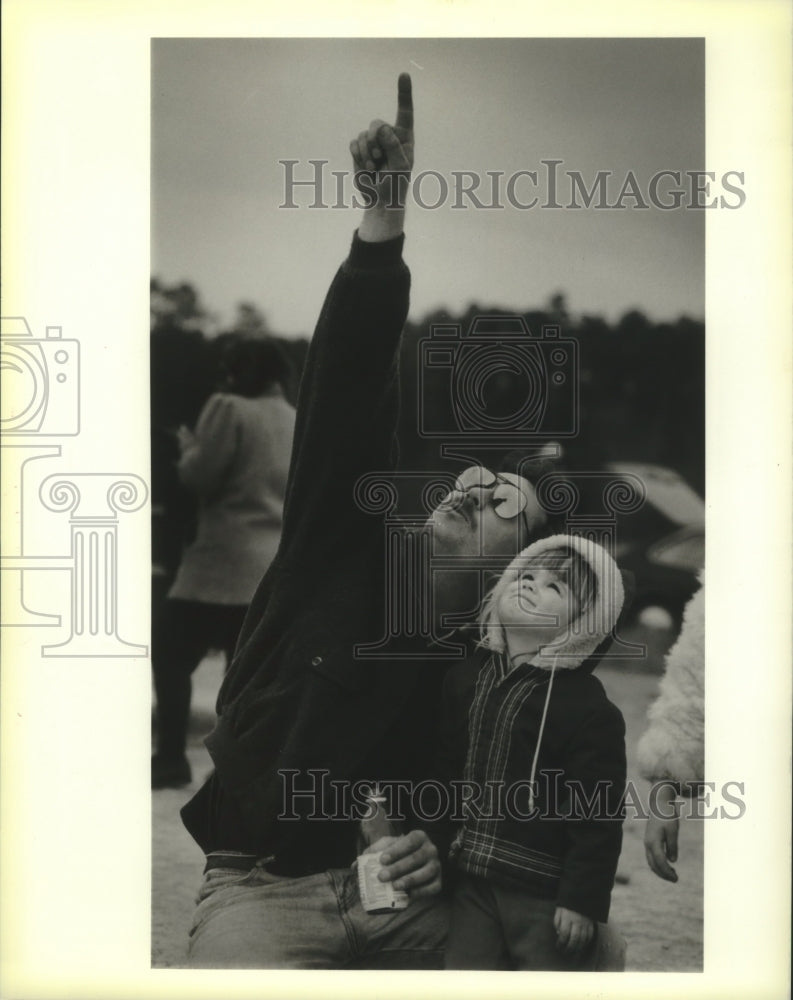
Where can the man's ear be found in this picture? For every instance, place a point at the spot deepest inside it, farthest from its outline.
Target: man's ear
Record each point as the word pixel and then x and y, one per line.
pixel 541 523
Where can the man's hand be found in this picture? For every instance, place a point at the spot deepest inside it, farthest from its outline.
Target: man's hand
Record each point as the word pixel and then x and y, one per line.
pixel 660 846
pixel 410 862
pixel 383 159
pixel 573 930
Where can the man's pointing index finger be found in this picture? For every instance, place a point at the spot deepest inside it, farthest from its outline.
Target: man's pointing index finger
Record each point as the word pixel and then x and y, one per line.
pixel 404 117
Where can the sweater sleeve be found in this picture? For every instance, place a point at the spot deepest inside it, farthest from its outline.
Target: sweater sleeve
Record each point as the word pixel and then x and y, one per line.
pixel 349 396
pixel 597 771
pixel 673 745
pixel 458 689
pixel 204 465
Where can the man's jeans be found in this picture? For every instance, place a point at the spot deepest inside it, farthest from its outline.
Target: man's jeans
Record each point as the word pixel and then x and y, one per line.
pixel 264 921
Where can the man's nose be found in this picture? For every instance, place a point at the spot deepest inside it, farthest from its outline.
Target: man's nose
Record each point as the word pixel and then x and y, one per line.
pixel 477 496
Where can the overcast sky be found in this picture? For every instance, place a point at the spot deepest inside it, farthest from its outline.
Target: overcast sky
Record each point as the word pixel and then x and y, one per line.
pixel 226 111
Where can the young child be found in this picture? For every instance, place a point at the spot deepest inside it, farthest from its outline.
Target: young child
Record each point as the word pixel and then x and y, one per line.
pixel 536 855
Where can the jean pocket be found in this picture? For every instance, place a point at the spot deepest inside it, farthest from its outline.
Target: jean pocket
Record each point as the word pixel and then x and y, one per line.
pixel 221 878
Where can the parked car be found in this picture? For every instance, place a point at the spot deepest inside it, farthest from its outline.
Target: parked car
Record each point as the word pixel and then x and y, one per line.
pixel 662 544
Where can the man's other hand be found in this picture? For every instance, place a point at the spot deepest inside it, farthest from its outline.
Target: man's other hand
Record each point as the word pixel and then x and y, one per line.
pixel 411 862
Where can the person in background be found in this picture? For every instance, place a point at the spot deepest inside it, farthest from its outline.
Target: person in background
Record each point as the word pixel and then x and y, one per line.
pixel 236 464
pixel 672 748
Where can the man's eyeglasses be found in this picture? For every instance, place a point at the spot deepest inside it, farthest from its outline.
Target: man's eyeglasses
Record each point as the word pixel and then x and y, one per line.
pixel 509 496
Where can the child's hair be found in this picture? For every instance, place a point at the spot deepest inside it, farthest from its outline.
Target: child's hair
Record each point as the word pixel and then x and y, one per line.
pixel 576 573
pixel 569 564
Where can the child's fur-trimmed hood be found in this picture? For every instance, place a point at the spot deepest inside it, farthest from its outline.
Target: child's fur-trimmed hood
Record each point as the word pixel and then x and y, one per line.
pixel 588 629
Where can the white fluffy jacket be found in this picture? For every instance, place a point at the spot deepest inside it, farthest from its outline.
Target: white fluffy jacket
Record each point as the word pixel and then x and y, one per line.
pixel 673 745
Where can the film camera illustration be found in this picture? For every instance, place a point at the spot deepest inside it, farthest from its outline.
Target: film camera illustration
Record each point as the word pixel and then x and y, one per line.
pixel 497 381
pixel 40 380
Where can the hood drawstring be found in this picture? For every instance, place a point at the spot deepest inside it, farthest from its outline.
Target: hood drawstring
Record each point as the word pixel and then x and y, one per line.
pixel 539 735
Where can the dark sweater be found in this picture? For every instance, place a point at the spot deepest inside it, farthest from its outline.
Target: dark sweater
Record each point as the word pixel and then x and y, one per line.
pixel 296 699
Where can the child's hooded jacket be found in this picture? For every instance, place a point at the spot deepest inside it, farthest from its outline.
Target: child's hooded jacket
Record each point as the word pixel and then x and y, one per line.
pixel 546 753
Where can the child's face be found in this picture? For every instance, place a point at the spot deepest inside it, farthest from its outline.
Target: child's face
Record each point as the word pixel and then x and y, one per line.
pixel 537 601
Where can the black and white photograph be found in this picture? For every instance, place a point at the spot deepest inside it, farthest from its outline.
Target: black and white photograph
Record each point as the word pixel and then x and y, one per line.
pixel 398 591
pixel 551 356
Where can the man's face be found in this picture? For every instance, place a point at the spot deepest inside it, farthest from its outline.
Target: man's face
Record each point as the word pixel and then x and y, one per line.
pixel 486 514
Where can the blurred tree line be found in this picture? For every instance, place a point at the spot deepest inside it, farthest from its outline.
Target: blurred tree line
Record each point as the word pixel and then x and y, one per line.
pixel 640 388
pixel 640 385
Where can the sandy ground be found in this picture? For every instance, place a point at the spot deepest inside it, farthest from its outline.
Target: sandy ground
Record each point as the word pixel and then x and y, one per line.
pixel 661 921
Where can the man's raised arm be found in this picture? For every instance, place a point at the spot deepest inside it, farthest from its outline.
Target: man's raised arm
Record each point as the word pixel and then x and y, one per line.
pixel 349 399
